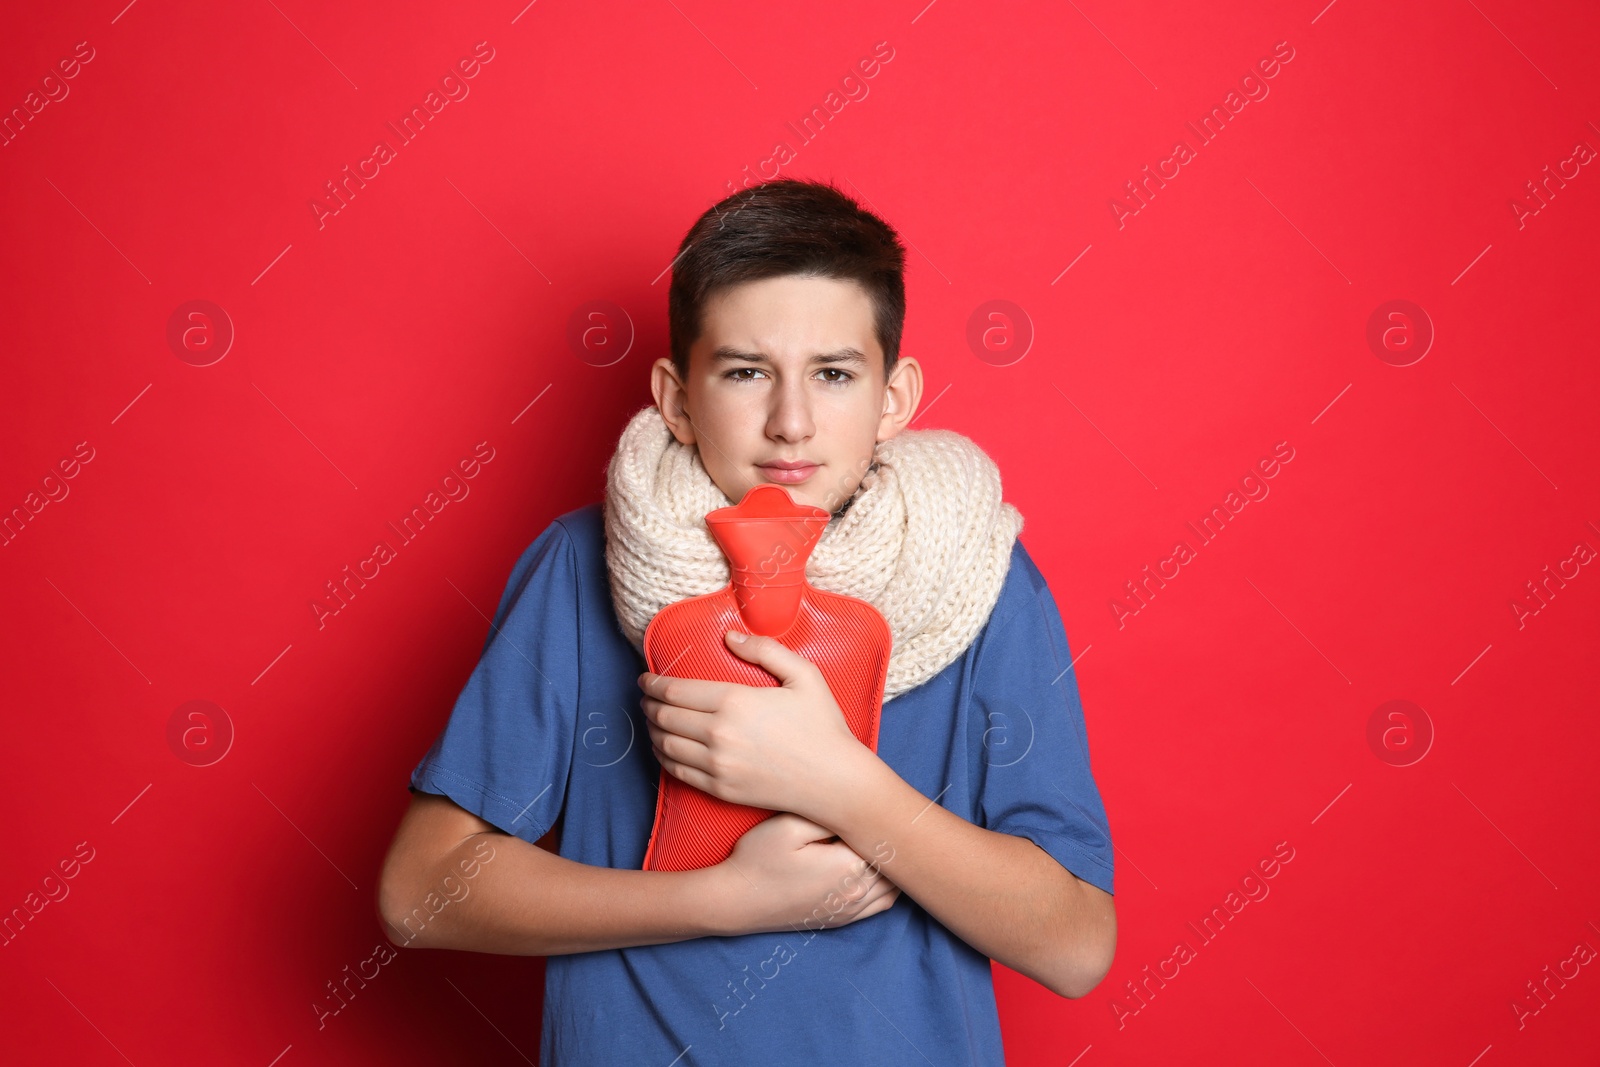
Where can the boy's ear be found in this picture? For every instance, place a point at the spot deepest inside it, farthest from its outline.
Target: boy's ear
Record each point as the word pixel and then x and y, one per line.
pixel 670 396
pixel 901 396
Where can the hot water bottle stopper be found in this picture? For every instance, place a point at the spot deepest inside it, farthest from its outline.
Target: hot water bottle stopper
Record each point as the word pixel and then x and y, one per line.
pixel 767 538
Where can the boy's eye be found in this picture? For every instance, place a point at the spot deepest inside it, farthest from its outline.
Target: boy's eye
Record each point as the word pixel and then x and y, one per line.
pixel 738 375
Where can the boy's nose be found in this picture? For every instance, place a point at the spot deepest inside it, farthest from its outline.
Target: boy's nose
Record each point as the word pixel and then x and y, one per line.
pixel 790 419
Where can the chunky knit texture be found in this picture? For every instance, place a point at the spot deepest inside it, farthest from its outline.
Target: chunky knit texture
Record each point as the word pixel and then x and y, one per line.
pixel 926 539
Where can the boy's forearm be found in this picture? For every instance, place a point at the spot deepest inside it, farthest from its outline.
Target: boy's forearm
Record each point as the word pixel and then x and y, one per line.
pixel 525 901
pixel 1001 894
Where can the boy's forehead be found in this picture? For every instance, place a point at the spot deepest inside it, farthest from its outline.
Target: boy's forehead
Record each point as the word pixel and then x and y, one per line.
pixel 789 316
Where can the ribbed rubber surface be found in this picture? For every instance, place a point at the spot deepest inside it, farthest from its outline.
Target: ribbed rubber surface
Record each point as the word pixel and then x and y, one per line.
pixel 845 637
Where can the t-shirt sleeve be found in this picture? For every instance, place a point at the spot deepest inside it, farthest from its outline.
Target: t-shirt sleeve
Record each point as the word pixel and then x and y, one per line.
pixel 1033 770
pixel 506 751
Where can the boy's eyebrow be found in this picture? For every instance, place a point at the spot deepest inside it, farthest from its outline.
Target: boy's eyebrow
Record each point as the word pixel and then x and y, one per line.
pixel 728 354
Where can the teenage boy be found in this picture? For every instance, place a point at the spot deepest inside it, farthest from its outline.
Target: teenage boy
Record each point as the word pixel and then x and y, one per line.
pixel 857 924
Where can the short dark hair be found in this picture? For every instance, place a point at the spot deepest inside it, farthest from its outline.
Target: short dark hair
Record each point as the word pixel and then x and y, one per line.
pixel 787 226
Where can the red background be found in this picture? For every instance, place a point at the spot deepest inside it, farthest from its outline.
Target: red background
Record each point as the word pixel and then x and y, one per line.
pixel 1228 314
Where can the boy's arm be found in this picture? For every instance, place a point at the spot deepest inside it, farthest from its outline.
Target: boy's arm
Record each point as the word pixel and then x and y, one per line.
pixel 788 748
pixel 452 880
pixel 1000 893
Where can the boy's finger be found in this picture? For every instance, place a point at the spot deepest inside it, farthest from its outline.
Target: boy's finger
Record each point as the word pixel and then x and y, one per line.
pixel 697 694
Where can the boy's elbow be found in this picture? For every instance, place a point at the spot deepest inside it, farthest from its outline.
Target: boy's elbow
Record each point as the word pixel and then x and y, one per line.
pixel 401 903
pixel 430 832
pixel 1082 976
pixel 1084 979
pixel 390 907
pixel 1095 946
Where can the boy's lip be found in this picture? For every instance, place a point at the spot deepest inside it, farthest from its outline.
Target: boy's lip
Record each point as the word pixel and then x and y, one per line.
pixel 789 471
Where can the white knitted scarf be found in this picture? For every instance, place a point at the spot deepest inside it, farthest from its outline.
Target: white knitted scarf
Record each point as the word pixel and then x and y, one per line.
pixel 926 539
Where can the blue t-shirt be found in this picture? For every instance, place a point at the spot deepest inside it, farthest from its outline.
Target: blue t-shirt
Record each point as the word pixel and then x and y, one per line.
pixel 549 723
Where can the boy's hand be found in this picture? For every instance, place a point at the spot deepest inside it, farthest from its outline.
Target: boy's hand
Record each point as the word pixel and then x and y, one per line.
pixel 786 748
pixel 788 873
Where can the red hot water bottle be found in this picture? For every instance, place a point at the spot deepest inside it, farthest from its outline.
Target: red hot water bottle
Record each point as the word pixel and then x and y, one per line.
pixel 767 538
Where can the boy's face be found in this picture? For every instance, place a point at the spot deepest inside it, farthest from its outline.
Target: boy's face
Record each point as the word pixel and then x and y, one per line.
pixel 787 372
